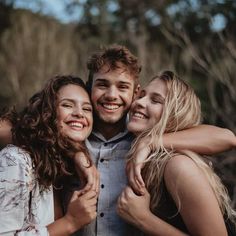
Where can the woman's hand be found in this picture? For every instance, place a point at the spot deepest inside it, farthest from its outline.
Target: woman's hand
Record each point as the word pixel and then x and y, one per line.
pixel 80 212
pixel 81 209
pixel 89 175
pixel 133 208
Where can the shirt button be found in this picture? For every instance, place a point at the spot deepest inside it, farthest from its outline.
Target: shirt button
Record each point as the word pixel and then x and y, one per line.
pixel 102 214
pixel 105 144
pixel 102 160
pixel 102 185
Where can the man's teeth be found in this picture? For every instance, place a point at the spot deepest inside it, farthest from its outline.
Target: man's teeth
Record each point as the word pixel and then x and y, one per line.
pixel 139 115
pixel 76 124
pixel 110 107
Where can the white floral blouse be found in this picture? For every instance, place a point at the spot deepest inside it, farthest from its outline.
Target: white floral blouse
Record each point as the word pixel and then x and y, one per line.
pixel 24 210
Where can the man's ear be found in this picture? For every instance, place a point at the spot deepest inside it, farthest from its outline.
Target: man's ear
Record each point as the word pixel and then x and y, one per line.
pixel 136 91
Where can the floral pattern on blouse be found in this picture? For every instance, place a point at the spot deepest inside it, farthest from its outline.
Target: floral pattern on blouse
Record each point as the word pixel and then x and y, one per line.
pixel 24 210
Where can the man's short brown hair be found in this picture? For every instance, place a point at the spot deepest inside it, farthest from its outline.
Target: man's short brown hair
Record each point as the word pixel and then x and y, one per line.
pixel 115 57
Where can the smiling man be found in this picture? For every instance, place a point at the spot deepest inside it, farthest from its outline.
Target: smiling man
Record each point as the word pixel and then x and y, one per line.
pixel 113 83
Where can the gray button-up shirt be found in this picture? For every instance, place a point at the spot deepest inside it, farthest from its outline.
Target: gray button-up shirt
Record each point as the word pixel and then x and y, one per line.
pixel 109 157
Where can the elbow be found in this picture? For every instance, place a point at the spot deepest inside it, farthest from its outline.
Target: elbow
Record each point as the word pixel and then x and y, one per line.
pixel 229 138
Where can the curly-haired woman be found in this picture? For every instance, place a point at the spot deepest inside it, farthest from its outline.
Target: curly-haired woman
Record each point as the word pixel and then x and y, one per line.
pixel 49 133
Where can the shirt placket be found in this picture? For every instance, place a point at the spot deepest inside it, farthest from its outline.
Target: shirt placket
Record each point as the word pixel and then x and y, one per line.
pixel 104 196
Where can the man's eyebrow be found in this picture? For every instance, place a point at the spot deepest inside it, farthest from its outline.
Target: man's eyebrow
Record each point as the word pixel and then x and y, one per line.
pixel 101 80
pixel 125 82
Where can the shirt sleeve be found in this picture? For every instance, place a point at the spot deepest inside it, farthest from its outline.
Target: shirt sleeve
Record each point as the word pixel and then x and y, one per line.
pixel 15 187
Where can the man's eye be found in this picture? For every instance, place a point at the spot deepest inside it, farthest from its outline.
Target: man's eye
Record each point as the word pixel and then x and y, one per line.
pixel 123 87
pixel 101 85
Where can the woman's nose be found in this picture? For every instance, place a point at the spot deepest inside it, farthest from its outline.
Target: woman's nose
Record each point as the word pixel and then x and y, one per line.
pixel 77 111
pixel 141 101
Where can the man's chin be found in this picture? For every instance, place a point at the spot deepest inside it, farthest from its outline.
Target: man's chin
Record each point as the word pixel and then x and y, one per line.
pixel 110 120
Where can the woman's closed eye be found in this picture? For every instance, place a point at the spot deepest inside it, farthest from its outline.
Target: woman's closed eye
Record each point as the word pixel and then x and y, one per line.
pixel 67 105
pixel 88 109
pixel 157 99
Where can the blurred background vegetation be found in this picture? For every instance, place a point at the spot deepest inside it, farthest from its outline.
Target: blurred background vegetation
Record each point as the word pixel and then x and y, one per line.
pixel 195 38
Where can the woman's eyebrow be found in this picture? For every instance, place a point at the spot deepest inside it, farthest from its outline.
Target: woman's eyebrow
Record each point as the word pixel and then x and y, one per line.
pixel 73 101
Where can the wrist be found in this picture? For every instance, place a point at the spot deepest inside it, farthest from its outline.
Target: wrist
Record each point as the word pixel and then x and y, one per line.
pixel 72 225
pixel 144 222
pixel 63 226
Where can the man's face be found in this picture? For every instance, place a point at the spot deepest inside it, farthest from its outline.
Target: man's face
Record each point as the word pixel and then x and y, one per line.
pixel 112 94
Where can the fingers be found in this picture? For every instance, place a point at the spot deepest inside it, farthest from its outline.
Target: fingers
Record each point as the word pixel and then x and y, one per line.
pixel 128 192
pixel 97 185
pixel 92 178
pixel 135 178
pixel 88 181
pixel 134 167
pixel 76 195
pixel 89 195
pixel 138 177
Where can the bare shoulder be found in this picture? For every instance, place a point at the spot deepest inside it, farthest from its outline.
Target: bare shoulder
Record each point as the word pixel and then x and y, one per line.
pixel 181 170
pixel 179 164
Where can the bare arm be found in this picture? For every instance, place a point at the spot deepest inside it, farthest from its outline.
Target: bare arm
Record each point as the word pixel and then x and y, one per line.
pixel 135 209
pixel 5 133
pixel 190 188
pixel 202 139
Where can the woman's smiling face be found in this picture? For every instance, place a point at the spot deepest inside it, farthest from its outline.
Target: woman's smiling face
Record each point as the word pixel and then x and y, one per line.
pixel 74 112
pixel 147 109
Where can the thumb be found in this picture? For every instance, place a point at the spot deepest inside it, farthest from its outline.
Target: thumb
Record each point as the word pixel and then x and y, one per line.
pixel 76 195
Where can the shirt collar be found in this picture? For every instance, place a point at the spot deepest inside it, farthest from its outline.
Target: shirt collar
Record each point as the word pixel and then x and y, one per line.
pixel 115 138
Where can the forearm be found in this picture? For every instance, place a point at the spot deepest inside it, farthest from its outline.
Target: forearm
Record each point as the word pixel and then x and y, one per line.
pixel 62 227
pixel 152 225
pixel 203 139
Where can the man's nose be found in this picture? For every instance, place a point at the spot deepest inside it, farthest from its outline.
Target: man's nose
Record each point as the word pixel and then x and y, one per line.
pixel 112 93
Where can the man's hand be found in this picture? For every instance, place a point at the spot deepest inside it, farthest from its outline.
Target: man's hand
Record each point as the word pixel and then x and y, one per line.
pixel 134 167
pixel 89 175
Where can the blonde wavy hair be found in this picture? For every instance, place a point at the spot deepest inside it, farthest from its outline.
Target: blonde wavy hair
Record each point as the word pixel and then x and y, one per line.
pixel 182 110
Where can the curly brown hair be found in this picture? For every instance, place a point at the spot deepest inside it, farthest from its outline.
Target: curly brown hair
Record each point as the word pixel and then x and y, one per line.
pixel 9 114
pixel 37 133
pixel 115 57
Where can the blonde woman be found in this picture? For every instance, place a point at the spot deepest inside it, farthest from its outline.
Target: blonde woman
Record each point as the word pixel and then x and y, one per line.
pixel 183 195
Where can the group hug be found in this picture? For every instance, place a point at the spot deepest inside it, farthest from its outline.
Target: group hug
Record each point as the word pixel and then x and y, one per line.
pixel 111 158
